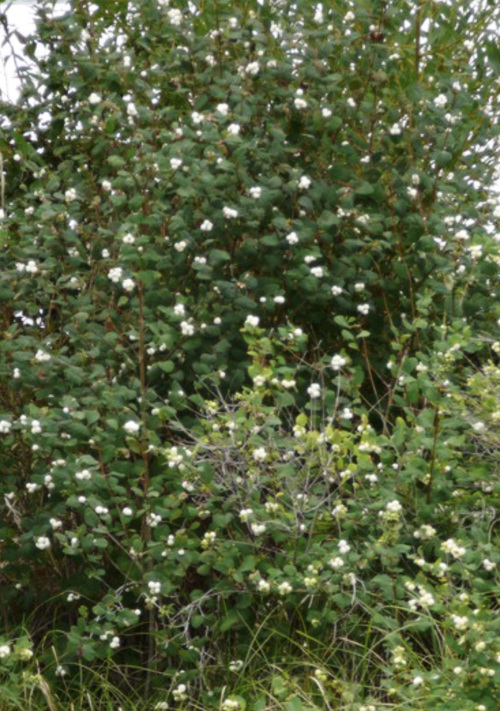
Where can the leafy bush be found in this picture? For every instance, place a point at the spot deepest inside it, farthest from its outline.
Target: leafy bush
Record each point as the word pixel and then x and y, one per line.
pixel 247 268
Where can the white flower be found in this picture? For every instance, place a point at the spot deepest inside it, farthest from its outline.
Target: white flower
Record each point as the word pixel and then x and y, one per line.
pixel 359 286
pixel 462 235
pixel 252 69
pixel 488 564
pixel 425 532
pixel 318 272
pixel 252 321
pixel 42 543
pixel 344 547
pixel 233 129
pixel 336 562
pixel 197 118
pixel 206 226
pixel 351 102
pixel 236 665
pixel 304 182
pixel 127 511
pixel 475 251
pixel 259 454
pixel 154 587
pixel 263 586
pixel 292 238
pixel 70 195
pixel 115 642
pixel 412 193
pixel 179 693
pixel 245 514
pixel 180 246
pixel 453 548
pixel 153 519
pixel 460 623
pixel 131 427
pixel 338 362
pixel 395 129
pixel 128 285
pixel 5 650
pixel 187 328
pixel 128 238
pixel 349 16
pixel 336 290
pixel 222 109
pixel 175 163
pixel 285 588
pixel 287 384
pixel 179 310
pixel 83 475
pixel 441 101
pixel 42 356
pixel 314 391
pixel 364 309
pixel 339 510
pixel 131 109
pixel 175 17
pixel 394 506
pixel 36 427
pixel 326 112
pixel 417 680
pixel 25 654
pixel 415 179
pixel 115 274
pixel 229 213
pixel 258 528
pixel 318 14
pixel 5 426
pixel 255 192
pixel 300 103
pixel 95 98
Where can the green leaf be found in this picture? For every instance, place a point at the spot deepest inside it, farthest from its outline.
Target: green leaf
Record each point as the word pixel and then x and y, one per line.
pixel 493 54
pixel 116 161
pixel 218 256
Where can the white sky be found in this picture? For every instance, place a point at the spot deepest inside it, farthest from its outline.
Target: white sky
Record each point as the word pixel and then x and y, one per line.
pixel 21 17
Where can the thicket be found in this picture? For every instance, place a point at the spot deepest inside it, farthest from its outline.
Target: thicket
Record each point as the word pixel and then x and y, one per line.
pixel 248 366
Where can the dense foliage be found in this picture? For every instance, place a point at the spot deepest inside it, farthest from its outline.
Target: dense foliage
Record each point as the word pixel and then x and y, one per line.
pixel 249 308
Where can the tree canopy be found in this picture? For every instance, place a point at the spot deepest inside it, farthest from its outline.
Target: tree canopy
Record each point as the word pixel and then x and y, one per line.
pixel 249 295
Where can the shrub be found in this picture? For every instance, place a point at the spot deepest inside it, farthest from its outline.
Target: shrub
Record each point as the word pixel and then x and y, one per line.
pixel 247 263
